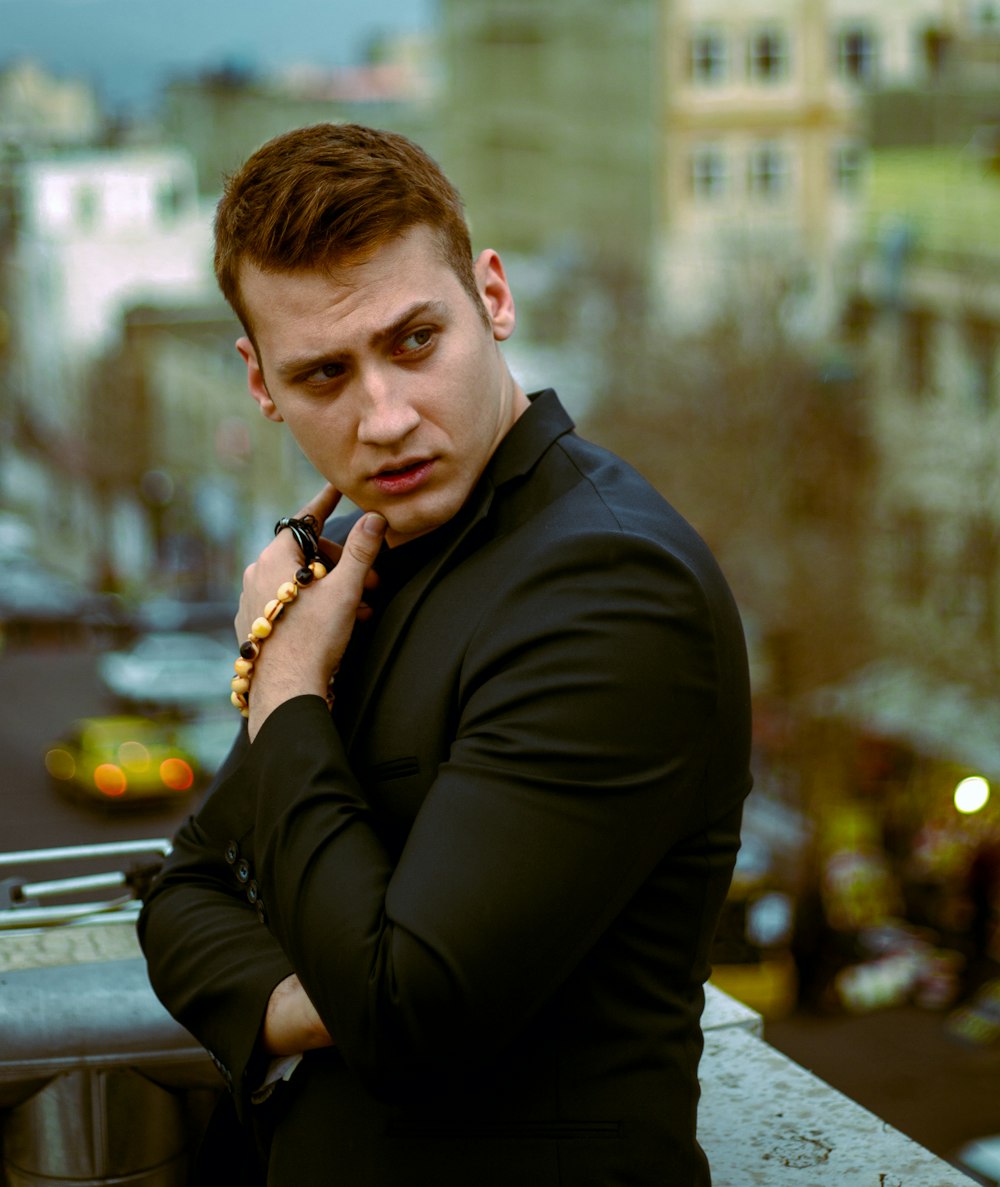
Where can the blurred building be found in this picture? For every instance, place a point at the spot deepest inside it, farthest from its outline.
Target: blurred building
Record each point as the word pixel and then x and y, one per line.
pixel 924 314
pixel 40 111
pixel 687 141
pixel 222 116
pixel 96 232
pixel 187 473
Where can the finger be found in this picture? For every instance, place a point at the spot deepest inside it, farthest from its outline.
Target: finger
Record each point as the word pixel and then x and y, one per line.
pixel 321 505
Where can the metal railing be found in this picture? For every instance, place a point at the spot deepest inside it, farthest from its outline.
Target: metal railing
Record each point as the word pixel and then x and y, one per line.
pixel 98 1084
pixel 23 903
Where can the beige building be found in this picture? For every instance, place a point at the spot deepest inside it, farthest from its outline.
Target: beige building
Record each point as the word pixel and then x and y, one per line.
pixel 38 110
pixel 678 138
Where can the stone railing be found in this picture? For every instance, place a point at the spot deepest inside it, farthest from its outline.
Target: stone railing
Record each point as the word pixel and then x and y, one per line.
pixel 98 1083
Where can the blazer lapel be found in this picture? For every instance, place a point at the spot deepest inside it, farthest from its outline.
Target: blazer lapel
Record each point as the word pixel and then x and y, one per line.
pixel 519 452
pixel 401 609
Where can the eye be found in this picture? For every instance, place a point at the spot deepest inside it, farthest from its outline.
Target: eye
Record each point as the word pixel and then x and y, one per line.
pixel 325 373
pixel 415 340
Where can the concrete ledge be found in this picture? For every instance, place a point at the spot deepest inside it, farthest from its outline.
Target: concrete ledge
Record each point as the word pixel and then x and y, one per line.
pixel 764 1120
pixel 767 1122
pixel 78 943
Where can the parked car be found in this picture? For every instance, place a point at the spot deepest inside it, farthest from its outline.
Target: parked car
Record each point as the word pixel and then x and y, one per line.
pixel 121 760
pixel 981 1159
pixel 39 605
pixel 170 669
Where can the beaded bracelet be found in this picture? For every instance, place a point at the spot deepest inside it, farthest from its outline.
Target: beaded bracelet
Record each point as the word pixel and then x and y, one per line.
pixel 261 627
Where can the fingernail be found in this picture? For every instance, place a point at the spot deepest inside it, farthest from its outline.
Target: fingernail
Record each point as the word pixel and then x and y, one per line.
pixel 374 524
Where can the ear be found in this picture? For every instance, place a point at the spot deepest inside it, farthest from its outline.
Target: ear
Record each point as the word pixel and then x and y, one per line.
pixel 255 380
pixel 491 281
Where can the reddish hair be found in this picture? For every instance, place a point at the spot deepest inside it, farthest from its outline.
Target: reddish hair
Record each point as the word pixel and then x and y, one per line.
pixel 333 194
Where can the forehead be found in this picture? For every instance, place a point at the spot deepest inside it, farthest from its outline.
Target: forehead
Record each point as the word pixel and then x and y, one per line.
pixel 363 295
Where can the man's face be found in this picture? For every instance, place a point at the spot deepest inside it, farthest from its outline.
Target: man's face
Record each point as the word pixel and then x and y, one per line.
pixel 387 375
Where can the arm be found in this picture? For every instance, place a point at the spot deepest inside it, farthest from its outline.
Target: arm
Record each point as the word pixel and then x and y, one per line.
pixel 219 972
pixel 587 720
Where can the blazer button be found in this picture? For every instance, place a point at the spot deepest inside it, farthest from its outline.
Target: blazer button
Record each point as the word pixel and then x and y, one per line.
pixel 252 891
pixel 243 869
pixel 260 911
pixel 232 852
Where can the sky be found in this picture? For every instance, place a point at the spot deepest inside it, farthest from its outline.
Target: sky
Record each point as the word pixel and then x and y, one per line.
pixel 126 48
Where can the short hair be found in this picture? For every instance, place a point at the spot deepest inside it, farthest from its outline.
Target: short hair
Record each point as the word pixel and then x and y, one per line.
pixel 333 194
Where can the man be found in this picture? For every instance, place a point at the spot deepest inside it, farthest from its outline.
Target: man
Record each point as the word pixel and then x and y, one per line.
pixel 477 895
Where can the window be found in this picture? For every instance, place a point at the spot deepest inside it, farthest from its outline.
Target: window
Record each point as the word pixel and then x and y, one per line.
pixel 768 55
pixel 982 338
pixel 917 330
pixel 848 163
pixel 769 171
pixel 910 568
pixel 977 578
pixel 707 57
pixel 857 55
pixel 709 175
pixel 87 207
pixel 512 33
pixel 170 202
pixel 984 15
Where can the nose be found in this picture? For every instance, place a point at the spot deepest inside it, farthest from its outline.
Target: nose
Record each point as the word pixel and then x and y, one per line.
pixel 388 414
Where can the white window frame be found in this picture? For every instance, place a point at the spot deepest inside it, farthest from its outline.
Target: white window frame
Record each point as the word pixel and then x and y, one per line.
pixel 708 57
pixel 779 54
pixel 709 173
pixel 769 171
pixel 857 64
pixel 848 168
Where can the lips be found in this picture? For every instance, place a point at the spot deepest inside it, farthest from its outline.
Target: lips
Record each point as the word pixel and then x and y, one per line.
pixel 396 480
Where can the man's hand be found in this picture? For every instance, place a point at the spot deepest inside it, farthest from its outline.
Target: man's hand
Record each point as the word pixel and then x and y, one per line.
pixel 312 632
pixel 291 1024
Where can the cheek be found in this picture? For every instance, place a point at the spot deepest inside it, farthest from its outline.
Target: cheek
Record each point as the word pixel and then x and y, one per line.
pixel 324 440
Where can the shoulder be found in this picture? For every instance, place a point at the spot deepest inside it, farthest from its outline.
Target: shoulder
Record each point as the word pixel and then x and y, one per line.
pixel 606 512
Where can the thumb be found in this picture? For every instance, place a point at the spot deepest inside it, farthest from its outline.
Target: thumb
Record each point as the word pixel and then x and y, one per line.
pixel 364 541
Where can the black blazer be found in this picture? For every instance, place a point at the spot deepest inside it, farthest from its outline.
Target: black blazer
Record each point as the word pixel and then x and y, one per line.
pixel 499 878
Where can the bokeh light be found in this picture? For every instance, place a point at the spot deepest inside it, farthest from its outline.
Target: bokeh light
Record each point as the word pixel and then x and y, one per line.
pixel 972 794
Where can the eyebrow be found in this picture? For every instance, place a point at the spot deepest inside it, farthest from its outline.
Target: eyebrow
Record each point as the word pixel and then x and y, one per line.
pixel 305 364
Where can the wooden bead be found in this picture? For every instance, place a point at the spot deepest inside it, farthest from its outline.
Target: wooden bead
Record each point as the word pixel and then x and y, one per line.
pixel 249 649
pixel 243 667
pixel 238 700
pixel 317 569
pixel 260 628
pixel 287 591
pixel 240 684
pixel 273 609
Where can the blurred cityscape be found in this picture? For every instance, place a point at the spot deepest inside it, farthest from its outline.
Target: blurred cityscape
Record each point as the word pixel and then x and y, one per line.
pixel 756 247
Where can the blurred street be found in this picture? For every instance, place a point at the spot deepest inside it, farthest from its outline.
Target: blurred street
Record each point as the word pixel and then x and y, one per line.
pixel 45 689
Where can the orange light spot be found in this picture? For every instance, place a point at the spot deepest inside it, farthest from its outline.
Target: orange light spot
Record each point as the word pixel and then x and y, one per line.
pixel 176 774
pixel 110 780
pixel 60 764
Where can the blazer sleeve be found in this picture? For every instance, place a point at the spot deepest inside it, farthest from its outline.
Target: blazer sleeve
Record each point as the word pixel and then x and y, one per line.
pixel 590 713
pixel 209 959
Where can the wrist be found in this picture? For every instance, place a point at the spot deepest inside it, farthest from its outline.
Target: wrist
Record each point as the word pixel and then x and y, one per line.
pixel 293 679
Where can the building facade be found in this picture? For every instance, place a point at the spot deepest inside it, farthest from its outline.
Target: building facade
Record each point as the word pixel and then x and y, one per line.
pixel 698 138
